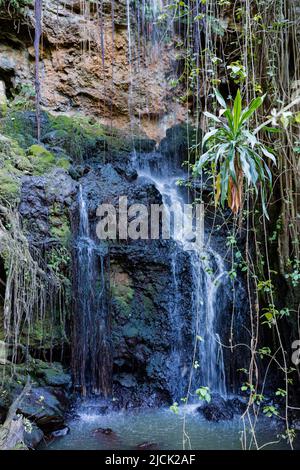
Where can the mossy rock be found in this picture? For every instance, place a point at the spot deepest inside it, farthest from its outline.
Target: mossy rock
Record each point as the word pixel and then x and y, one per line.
pixel 41 159
pixel 52 375
pixel 123 295
pixel 3 109
pixel 13 165
pixel 12 156
pixel 9 187
pixel 21 127
pixel 79 136
pixel 45 334
pixel 60 227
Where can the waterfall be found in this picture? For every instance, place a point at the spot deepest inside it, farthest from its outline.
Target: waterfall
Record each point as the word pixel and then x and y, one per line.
pixel 92 357
pixel 208 277
pixel 208 274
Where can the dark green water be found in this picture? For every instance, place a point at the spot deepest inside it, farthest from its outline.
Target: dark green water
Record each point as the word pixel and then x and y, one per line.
pixel 161 427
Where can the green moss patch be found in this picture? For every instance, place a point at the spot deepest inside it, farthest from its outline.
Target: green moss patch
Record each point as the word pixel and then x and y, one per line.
pixel 9 187
pixel 41 159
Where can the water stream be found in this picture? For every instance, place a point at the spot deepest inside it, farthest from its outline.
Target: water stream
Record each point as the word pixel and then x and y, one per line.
pixel 92 356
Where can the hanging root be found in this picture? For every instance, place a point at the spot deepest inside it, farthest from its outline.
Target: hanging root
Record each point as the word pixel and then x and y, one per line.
pixel 30 289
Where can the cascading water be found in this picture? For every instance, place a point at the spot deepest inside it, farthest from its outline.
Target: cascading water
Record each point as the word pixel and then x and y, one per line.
pixel 208 274
pixel 92 357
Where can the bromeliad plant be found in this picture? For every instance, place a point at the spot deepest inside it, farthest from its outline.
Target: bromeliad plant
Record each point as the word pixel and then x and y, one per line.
pixel 235 154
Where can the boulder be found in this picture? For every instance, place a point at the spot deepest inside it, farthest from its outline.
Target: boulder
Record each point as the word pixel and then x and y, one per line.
pixel 42 407
pixel 33 435
pixel 126 380
pixel 53 374
pixel 61 432
pixel 217 410
pixel 106 431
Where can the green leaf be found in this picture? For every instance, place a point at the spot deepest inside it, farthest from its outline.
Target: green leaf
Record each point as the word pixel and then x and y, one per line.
pixel 221 151
pixel 268 154
pixel 229 117
pixel 249 158
pixel 211 116
pixel 268 173
pixel 251 137
pixel 231 162
pixel 245 166
pixel 175 408
pixel 209 135
pixel 220 98
pixel 204 159
pixel 254 105
pixel 237 108
pixel 224 182
pixel 274 130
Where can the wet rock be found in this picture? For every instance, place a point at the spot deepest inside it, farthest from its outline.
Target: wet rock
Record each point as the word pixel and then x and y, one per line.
pixel 45 202
pixel 105 431
pixel 33 436
pixel 126 380
pixel 237 404
pixel 53 375
pixel 217 410
pixel 176 143
pixel 147 445
pixel 42 407
pixel 296 424
pixel 61 432
pixel 147 395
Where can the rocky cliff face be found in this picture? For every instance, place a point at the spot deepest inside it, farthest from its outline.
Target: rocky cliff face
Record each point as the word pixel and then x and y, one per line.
pixel 88 66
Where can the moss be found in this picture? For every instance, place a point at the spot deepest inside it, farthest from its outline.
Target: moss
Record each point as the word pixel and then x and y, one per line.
pixel 59 223
pixel 123 296
pixel 9 187
pixel 20 126
pixel 60 228
pixel 42 160
pixel 3 109
pixel 149 306
pixel 79 136
pixel 13 157
pixel 63 163
pixel 45 334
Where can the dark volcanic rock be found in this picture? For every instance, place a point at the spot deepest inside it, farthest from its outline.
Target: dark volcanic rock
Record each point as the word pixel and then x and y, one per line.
pixel 217 410
pixel 147 445
pixel 33 436
pixel 106 431
pixel 61 432
pixel 42 407
pixel 45 201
